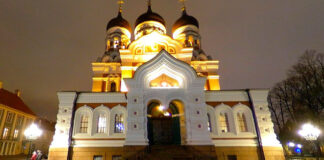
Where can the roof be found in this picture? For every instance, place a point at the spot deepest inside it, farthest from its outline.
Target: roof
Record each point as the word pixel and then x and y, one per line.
pixel 185 19
pixel 149 16
pixel 13 101
pixel 118 21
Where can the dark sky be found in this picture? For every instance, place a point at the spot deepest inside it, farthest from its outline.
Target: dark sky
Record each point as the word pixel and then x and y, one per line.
pixel 48 45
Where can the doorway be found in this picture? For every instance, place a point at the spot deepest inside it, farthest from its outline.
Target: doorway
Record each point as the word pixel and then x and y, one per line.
pixel 163 124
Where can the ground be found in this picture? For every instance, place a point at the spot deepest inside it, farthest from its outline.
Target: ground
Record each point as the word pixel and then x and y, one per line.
pixel 16 157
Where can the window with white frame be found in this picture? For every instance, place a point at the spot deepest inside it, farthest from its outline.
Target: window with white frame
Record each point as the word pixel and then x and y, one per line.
pixel 223 122
pixel 241 119
pixel 101 124
pixel 84 124
pixel 209 123
pixel 119 123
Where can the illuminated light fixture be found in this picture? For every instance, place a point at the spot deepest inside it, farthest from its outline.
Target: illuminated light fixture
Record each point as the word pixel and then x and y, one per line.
pixel 291 144
pixel 167 114
pixel 161 108
pixel 299 146
pixel 309 132
pixel 33 132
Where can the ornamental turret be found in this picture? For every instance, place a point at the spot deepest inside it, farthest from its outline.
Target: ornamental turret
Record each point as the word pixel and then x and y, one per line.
pixel 118 37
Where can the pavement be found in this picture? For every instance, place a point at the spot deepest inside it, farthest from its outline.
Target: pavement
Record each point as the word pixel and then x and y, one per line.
pixel 16 157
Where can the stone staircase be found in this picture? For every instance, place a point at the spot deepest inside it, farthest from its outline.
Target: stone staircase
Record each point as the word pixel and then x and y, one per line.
pixel 172 152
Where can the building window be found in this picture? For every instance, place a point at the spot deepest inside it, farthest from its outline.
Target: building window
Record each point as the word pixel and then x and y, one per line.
pixel 242 122
pixel 119 123
pixel 101 125
pixel 9 117
pixel 84 124
pixel 1 113
pixel 19 121
pixel 223 121
pixel 5 133
pixel 209 123
pixel 231 157
pixel 113 87
pixel 16 132
pixel 116 157
pixel 97 157
pixel 116 42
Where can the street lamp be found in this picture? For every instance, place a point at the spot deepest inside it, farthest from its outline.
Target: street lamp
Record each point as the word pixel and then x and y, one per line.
pixel 32 133
pixel 310 133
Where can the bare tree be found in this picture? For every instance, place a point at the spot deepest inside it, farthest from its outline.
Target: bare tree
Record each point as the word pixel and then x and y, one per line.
pixel 300 97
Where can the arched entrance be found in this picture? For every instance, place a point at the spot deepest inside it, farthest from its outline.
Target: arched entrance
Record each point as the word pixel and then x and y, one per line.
pixel 163 124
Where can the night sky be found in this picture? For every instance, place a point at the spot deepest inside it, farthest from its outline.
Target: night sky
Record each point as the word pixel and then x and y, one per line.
pixel 48 45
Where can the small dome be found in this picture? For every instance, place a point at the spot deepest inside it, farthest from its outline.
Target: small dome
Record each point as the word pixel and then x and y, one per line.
pixel 149 16
pixel 120 22
pixel 185 19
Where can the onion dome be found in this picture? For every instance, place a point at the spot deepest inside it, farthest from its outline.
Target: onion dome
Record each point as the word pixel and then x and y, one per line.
pixel 185 19
pixel 149 16
pixel 119 21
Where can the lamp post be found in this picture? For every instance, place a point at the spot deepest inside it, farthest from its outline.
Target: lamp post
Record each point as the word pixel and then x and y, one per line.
pixel 311 133
pixel 32 133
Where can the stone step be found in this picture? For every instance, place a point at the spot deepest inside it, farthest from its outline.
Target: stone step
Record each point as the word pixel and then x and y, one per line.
pixel 175 152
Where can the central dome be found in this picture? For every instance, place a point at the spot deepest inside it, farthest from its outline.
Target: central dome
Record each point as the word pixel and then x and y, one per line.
pixel 149 16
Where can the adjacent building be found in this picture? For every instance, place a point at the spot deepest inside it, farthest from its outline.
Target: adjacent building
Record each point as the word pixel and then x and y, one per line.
pixel 153 94
pixel 43 142
pixel 15 117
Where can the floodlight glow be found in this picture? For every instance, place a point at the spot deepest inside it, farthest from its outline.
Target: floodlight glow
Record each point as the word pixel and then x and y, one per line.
pixel 309 132
pixel 291 144
pixel 167 114
pixel 33 132
pixel 299 146
pixel 161 108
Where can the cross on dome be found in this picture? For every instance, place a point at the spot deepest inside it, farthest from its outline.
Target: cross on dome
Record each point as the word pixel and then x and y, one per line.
pixel 120 3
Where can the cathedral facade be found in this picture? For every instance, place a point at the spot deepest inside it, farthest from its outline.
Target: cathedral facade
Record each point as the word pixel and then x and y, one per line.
pixel 158 97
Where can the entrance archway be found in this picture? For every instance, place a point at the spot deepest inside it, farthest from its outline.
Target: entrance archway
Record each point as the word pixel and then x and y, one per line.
pixel 163 124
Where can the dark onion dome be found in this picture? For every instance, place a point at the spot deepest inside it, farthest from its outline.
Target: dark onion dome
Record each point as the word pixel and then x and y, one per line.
pixel 185 19
pixel 149 16
pixel 119 21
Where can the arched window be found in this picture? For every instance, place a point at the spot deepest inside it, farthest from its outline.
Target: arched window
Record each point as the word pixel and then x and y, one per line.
pixel 116 42
pixel 223 121
pixel 190 41
pixel 101 125
pixel 113 87
pixel 242 122
pixel 119 123
pixel 84 124
pixel 209 123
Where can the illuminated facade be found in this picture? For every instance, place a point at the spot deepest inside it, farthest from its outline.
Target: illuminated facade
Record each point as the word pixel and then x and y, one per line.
pixel 15 117
pixel 153 90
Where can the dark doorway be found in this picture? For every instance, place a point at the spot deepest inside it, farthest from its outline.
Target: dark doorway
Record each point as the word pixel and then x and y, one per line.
pixel 163 125
pixel 113 87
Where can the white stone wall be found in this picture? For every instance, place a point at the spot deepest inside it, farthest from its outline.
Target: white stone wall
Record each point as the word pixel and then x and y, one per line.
pixel 234 137
pixel 64 115
pixel 259 98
